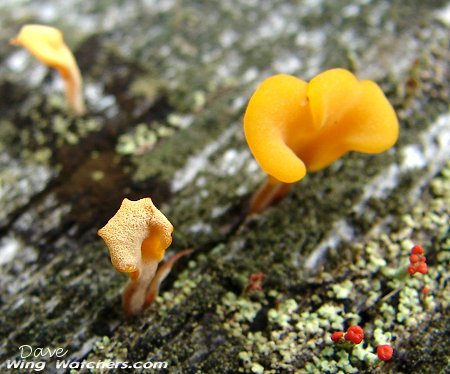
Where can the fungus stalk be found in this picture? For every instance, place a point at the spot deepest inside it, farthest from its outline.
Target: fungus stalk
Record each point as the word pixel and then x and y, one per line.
pixel 271 191
pixel 47 45
pixel 161 274
pixel 292 126
pixel 137 237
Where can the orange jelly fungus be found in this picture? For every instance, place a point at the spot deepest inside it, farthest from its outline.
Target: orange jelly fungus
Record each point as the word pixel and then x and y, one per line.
pixel 47 45
pixel 292 126
pixel 137 237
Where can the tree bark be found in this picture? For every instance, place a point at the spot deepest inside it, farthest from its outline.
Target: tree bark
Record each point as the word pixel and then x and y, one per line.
pixel 166 85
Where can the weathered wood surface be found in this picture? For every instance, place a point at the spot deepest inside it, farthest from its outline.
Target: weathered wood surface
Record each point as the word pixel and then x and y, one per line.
pixel 166 85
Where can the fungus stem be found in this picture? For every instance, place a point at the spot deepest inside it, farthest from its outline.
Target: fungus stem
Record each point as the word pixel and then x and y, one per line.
pixel 143 288
pixel 161 274
pixel 73 87
pixel 271 191
pixel 134 294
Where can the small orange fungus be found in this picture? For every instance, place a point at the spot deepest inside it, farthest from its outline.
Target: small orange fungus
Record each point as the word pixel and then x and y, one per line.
pixel 47 45
pixel 161 274
pixel 137 237
pixel 292 126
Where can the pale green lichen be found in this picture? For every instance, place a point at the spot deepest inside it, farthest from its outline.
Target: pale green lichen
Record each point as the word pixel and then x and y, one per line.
pixel 70 132
pixel 180 120
pixel 364 354
pixel 147 86
pixel 97 175
pixel 141 139
pixel 376 260
pixel 247 309
pixel 342 290
pixel 381 337
pixel 108 349
pixel 199 101
pixel 257 368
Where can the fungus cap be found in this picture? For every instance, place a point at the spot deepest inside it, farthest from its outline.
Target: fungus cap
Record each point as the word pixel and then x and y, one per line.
pixel 46 43
pixel 273 113
pixel 137 233
pixel 292 126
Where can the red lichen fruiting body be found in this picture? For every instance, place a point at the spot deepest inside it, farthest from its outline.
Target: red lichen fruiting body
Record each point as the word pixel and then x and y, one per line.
pixel 337 336
pixel 417 250
pixel 385 352
pixel 422 268
pixel 355 334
